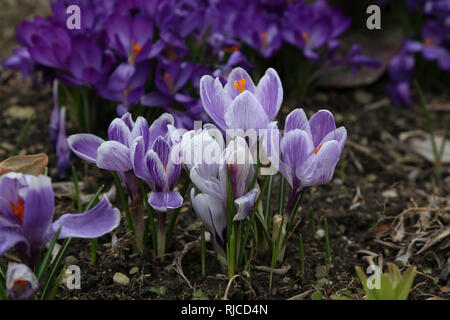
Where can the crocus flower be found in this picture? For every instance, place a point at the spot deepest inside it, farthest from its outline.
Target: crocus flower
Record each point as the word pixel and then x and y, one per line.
pixel 132 37
pixel 401 72
pixel 204 156
pixel 20 60
pixel 26 213
pixel 310 149
pixel 21 283
pixel 152 160
pixel 57 129
pixel 241 104
pixel 47 43
pixel 432 47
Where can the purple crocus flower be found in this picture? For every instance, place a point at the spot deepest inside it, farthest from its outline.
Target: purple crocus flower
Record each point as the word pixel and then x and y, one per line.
pixel 114 155
pixel 57 129
pixel 401 72
pixel 152 159
pixel 47 43
pixel 241 104
pixel 26 213
pixel 126 84
pixel 432 47
pixel 310 149
pixel 169 79
pixel 21 282
pixel 20 60
pixel 132 37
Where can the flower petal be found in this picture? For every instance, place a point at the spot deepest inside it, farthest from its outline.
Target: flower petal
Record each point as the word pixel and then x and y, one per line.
pixel 156 171
pixel 38 212
pixel 119 131
pixel 21 274
pixel 269 93
pixel 237 74
pixel 85 146
pixel 214 98
pixel 165 201
pixel 9 238
pixel 137 152
pixel 245 205
pixel 114 156
pixel 297 120
pixel 96 222
pixel 246 112
pixel 159 127
pixel 321 123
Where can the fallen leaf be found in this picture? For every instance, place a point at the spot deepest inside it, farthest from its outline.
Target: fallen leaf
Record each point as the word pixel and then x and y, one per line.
pixel 31 164
pixel 419 142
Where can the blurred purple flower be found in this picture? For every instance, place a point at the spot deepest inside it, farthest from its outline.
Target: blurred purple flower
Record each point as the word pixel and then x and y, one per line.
pixel 401 72
pixel 20 60
pixel 26 214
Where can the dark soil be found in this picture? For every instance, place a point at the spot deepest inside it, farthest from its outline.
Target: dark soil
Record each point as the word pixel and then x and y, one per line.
pixel 361 215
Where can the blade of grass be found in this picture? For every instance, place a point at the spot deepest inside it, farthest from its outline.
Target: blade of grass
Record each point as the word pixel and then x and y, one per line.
pixel 203 249
pixel 150 223
pixel 77 189
pixel 47 258
pixel 124 201
pixel 302 255
pixel 268 200
pixel 52 293
pixel 22 135
pixel 174 216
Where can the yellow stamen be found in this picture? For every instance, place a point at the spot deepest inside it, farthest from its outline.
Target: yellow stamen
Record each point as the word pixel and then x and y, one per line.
pixel 428 42
pixel 240 85
pixel 18 209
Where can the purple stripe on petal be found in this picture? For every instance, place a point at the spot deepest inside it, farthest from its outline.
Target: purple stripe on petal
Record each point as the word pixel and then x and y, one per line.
pixel 101 219
pixel 159 127
pixel 140 129
pixel 156 171
pixel 269 93
pixel 85 146
pixel 119 131
pixel 321 123
pixel 39 210
pixel 164 201
pixel 297 120
pixel 114 156
pixel 138 151
pixel 215 100
pixel 161 147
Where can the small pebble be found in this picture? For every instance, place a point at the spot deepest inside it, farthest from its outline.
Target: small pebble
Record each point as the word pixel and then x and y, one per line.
pixel 70 260
pixel 320 233
pixel 121 279
pixel 134 270
pixel 390 193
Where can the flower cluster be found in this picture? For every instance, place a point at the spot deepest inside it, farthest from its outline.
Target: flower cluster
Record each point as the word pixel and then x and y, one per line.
pixel 433 45
pixel 121 44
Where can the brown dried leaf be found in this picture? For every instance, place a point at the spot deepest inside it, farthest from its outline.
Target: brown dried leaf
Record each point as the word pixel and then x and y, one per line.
pixel 420 142
pixel 31 164
pixel 399 230
pixel 438 236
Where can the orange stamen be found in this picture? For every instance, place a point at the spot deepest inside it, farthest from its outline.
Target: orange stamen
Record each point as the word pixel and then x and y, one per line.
pixel 317 150
pixel 240 85
pixel 136 48
pixel 18 209
pixel 169 83
pixel 305 37
pixel 231 49
pixel 428 42
pixel 264 40
pixel 19 285
pixel 165 168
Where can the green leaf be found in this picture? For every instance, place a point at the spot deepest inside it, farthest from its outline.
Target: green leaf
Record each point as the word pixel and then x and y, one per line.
pixel 159 291
pixel 199 295
pixel 45 262
pixel 403 288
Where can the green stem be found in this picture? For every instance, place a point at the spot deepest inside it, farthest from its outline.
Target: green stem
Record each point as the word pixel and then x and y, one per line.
pixel 22 135
pixel 161 233
pixel 203 249
pixel 124 201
